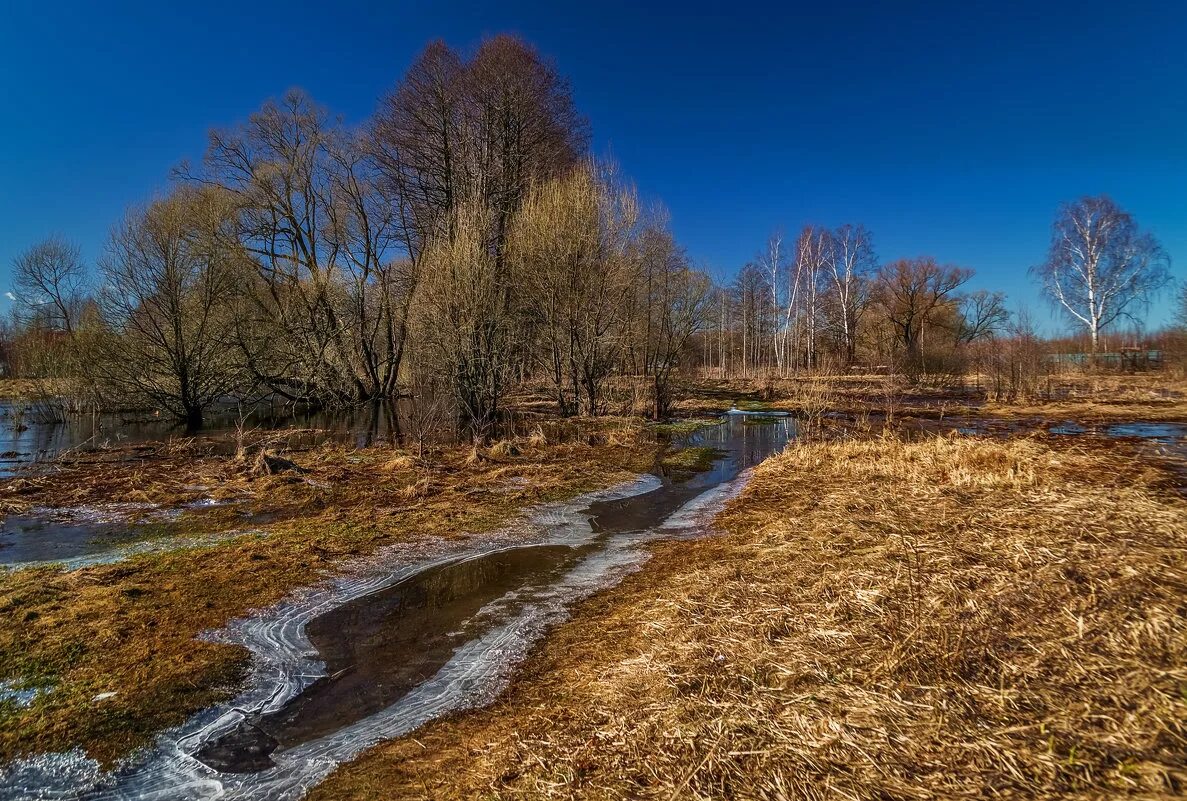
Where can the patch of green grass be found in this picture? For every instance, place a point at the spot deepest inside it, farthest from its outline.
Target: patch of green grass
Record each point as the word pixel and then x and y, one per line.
pixel 762 421
pixel 679 428
pixel 753 406
pixel 690 460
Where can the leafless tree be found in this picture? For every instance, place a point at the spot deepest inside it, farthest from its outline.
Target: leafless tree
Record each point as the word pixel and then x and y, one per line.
pixel 462 318
pixel 850 265
pixel 982 314
pixel 324 312
pixel 774 260
pixel 50 281
pixel 912 292
pixel 168 275
pixel 1100 267
pixel 813 252
pixel 419 139
pixel 680 304
pixel 572 266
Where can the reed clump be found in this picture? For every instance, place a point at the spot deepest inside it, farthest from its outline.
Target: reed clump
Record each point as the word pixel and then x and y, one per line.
pixel 952 618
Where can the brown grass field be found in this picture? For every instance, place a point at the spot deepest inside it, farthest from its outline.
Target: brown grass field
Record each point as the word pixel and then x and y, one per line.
pixel 952 618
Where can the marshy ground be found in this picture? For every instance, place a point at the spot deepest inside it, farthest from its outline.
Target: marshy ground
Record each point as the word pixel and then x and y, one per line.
pixel 892 608
pixel 126 632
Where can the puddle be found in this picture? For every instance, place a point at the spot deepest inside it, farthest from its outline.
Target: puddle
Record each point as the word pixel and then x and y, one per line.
pixel 1162 433
pixel 345 666
pixel 80 536
pixel 43 536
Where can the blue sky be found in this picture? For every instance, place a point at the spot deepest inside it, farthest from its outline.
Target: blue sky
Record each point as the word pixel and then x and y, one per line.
pixel 952 129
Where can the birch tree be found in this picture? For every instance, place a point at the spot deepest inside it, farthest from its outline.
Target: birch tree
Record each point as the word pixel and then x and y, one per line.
pixel 773 262
pixel 1101 267
pixel 850 263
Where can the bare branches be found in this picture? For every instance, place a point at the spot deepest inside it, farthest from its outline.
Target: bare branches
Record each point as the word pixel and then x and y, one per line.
pixel 168 281
pixel 50 282
pixel 913 293
pixel 1100 267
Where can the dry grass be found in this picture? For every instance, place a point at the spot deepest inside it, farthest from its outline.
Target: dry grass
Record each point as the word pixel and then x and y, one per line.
pixel 32 388
pixel 954 618
pixel 129 628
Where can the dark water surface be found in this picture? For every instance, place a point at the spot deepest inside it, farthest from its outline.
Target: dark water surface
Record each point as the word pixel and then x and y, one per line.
pixel 48 536
pixel 29 435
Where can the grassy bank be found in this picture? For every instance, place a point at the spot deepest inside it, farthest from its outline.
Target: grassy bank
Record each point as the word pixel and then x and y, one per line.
pixel 950 618
pixel 115 644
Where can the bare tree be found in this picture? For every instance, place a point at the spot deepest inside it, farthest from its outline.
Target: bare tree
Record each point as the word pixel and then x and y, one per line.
pixel 681 300
pixel 813 252
pixel 50 280
pixel 419 140
pixel 523 125
pixel 569 252
pixel 324 313
pixel 168 275
pixel 850 264
pixel 1100 267
pixel 982 314
pixel 773 261
pixel 912 292
pixel 462 319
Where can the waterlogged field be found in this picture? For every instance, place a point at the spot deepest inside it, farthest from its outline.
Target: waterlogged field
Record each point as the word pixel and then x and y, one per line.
pixel 994 594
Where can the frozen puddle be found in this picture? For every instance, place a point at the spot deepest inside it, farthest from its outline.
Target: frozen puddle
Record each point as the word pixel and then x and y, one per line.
pixel 413 633
pixel 81 536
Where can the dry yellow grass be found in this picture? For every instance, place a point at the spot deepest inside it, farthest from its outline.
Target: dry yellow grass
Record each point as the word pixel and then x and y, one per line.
pixel 955 618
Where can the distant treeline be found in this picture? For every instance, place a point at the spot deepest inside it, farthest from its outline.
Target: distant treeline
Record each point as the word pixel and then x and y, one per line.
pixel 463 240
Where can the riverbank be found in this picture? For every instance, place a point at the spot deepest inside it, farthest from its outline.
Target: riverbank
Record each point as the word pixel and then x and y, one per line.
pixel 954 617
pixel 113 648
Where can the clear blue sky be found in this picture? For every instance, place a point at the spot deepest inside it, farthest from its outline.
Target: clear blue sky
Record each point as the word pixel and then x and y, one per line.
pixel 948 128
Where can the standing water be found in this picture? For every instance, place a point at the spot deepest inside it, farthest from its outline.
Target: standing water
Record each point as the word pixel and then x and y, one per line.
pixel 344 667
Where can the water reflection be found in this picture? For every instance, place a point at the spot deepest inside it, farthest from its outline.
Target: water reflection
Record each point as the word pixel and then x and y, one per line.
pixel 28 438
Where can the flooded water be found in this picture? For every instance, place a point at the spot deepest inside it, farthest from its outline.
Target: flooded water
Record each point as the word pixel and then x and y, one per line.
pixel 367 659
pixel 60 536
pixel 30 436
pixel 81 536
